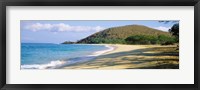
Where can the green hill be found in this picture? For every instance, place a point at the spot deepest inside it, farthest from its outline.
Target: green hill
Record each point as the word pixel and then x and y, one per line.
pixel 120 34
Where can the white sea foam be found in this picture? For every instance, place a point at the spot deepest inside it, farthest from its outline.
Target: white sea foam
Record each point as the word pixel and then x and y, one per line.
pixel 97 53
pixel 51 65
pixel 61 63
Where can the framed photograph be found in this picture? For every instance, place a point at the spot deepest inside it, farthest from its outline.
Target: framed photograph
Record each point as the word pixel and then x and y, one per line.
pixel 87 44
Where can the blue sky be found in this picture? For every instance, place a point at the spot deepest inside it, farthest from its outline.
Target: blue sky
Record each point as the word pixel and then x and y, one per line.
pixel 47 31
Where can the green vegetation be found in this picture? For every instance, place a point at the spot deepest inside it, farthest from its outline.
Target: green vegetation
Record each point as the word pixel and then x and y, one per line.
pixel 104 40
pixel 175 30
pixel 68 42
pixel 130 34
pixel 150 39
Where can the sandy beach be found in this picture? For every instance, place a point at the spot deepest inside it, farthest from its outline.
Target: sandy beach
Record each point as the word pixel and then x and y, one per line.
pixel 133 57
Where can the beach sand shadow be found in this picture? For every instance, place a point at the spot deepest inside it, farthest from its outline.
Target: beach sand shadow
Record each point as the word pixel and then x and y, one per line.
pixel 159 58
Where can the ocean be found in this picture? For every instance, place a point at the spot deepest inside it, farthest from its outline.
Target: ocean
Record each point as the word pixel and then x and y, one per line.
pixel 54 56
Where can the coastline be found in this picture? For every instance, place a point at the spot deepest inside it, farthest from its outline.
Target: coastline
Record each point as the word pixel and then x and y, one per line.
pixel 130 57
pixel 56 64
pixel 101 52
pixel 119 56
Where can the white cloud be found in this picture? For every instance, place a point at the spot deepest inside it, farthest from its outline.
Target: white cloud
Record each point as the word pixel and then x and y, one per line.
pixel 166 29
pixel 61 27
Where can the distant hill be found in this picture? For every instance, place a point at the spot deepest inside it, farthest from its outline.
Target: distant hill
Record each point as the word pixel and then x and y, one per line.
pixel 68 42
pixel 119 34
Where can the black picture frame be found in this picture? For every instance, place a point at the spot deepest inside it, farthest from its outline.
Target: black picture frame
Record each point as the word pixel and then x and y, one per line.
pixel 5 86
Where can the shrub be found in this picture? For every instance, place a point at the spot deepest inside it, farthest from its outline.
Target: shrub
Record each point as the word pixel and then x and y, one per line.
pixel 150 39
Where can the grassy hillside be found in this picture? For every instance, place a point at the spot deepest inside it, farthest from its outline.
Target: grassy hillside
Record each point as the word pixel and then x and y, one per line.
pixel 120 34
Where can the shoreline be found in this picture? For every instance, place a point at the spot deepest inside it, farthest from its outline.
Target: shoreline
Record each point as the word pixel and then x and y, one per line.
pixel 127 57
pixel 62 63
pixel 101 52
pixel 120 56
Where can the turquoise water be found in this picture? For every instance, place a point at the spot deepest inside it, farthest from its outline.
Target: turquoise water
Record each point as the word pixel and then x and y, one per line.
pixel 46 55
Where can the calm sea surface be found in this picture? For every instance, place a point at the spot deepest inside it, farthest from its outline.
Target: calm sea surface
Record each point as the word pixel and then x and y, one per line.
pixel 46 55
